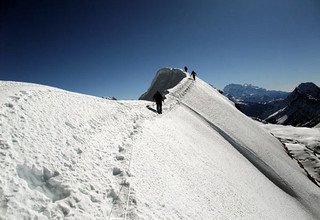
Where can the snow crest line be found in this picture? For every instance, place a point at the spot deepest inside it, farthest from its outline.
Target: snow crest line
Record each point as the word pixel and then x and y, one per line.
pixel 179 92
pixel 256 161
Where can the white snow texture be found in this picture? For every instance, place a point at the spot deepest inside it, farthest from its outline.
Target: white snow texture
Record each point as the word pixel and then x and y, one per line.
pixel 74 156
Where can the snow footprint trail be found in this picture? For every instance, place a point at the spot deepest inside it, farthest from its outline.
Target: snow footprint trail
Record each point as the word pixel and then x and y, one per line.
pixel 69 152
pixel 124 198
pixel 178 93
pixel 181 90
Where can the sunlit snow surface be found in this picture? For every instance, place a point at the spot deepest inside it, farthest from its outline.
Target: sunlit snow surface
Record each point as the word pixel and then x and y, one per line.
pixel 303 144
pixel 68 155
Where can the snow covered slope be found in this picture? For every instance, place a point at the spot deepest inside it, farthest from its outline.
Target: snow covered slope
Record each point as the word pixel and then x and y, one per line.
pixel 303 144
pixel 62 154
pixel 81 157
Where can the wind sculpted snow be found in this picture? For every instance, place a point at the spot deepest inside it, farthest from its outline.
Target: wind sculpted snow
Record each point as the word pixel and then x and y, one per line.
pixel 164 80
pixel 67 155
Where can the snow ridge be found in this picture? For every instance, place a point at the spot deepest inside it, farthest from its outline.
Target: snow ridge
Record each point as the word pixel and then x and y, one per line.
pixel 67 155
pixel 181 90
pixel 247 138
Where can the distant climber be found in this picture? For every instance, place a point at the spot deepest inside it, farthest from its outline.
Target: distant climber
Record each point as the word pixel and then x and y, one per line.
pixel 193 74
pixel 186 69
pixel 159 99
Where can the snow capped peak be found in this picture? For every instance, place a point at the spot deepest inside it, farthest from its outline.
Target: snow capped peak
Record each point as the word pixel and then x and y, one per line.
pixel 250 93
pixel 166 78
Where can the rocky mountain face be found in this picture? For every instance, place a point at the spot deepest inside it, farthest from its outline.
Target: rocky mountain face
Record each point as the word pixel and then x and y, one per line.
pixel 299 108
pixel 260 110
pixel 302 107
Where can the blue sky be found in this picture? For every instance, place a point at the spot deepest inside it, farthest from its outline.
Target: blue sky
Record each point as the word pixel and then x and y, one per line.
pixel 114 48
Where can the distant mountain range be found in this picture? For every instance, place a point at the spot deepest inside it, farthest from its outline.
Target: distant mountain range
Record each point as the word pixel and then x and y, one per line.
pixel 299 108
pixel 251 93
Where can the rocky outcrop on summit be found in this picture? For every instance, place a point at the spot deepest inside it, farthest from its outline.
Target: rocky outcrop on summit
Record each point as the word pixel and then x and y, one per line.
pixel 302 107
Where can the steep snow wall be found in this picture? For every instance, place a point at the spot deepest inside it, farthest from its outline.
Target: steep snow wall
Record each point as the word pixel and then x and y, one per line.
pixel 166 78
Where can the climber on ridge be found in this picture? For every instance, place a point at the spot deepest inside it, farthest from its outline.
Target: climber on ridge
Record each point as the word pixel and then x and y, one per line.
pixel 159 99
pixel 193 74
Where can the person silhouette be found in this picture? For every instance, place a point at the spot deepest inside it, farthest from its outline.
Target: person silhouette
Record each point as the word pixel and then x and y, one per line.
pixel 159 99
pixel 186 69
pixel 193 74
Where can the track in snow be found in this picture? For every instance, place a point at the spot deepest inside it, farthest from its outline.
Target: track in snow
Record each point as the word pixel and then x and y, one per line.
pixel 124 198
pixel 177 93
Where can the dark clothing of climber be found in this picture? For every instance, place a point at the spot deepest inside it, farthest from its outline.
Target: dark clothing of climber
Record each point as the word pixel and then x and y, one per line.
pixel 193 74
pixel 186 69
pixel 159 99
